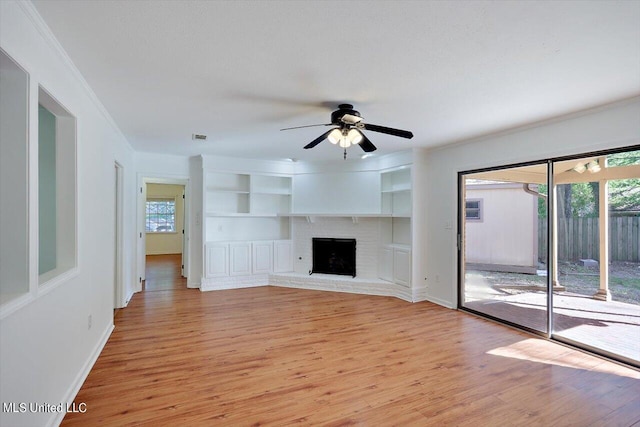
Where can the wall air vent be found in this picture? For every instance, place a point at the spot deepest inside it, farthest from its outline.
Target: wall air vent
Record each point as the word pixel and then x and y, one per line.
pixel 199 137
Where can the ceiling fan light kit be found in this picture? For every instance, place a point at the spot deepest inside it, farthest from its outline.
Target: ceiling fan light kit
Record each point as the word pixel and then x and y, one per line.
pixel 349 128
pixel 345 138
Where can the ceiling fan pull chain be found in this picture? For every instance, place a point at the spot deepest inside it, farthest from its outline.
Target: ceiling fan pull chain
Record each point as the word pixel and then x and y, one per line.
pixel 345 154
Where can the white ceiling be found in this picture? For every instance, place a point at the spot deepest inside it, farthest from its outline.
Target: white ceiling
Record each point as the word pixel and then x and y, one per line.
pixel 446 70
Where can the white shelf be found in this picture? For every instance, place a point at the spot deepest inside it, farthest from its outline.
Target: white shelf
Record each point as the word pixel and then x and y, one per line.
pixel 220 190
pixel 398 246
pixel 227 182
pixel 273 193
pixel 397 190
pixel 338 215
pixel 244 207
pixel 239 215
pixel 246 195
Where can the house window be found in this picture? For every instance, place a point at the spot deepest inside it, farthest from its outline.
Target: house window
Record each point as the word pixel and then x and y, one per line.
pixel 473 209
pixel 161 216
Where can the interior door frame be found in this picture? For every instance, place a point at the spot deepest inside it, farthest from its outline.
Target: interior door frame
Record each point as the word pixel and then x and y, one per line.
pixel 119 296
pixel 143 180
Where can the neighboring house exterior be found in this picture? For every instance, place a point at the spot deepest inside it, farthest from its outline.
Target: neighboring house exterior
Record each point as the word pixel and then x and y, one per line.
pixel 501 227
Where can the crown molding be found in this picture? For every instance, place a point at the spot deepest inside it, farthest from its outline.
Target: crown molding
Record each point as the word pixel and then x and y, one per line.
pixel 39 23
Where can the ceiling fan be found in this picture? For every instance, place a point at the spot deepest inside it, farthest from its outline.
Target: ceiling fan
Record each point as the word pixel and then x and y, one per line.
pixel 348 131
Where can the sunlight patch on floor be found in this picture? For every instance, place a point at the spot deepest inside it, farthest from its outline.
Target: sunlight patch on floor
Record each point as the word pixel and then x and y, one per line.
pixel 541 351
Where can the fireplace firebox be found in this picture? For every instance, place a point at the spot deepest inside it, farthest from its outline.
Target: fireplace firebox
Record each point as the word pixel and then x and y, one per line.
pixel 334 256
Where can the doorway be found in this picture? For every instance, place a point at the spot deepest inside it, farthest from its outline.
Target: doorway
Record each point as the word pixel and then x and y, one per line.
pixel 554 247
pixel 501 260
pixel 163 224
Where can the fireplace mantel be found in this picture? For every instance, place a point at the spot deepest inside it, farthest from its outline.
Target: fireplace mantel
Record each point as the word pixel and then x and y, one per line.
pixel 354 216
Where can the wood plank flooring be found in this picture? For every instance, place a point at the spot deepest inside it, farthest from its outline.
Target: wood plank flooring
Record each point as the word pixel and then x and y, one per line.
pixel 279 356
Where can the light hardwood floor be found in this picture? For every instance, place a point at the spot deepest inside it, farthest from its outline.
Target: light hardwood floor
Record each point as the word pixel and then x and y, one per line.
pixel 278 356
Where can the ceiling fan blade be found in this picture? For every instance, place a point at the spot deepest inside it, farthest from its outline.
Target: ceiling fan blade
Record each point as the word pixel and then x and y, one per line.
pixel 307 126
pixel 318 140
pixel 390 131
pixel 365 144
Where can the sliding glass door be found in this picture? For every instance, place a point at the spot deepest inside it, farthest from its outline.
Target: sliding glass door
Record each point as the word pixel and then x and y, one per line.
pixel 564 262
pixel 504 271
pixel 596 302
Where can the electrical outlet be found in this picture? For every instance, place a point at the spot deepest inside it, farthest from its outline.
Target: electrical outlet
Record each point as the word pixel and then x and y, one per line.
pixel 89 322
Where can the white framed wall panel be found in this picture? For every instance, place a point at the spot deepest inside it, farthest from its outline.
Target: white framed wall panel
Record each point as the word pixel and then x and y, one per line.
pixel 216 260
pixel 282 256
pixel 402 266
pixel 262 257
pixel 385 263
pixel 239 258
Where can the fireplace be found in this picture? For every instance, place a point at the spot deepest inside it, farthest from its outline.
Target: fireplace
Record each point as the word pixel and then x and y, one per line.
pixel 334 256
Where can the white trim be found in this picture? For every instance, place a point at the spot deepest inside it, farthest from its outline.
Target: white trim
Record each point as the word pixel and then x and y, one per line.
pixel 56 281
pixel 74 388
pixel 192 284
pixel 16 304
pixel 420 294
pixel 332 283
pixel 439 301
pixel 141 182
pixel 234 282
pixel 126 301
pixel 119 281
pixel 31 12
pixel 541 124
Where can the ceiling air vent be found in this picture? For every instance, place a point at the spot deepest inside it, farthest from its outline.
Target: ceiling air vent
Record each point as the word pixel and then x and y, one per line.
pixel 198 137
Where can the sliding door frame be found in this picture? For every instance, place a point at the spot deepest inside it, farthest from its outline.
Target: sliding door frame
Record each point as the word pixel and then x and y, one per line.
pixel 461 247
pixel 551 249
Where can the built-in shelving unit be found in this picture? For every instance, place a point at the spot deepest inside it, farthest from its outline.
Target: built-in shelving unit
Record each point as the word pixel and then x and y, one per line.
pixel 246 229
pixel 232 194
pixel 395 247
pixel 249 223
pixel 395 190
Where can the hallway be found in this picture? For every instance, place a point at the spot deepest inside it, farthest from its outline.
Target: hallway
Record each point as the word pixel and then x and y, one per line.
pixel 163 273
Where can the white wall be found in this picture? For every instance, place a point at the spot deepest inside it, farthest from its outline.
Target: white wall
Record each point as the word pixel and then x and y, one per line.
pixel 612 126
pixel 351 186
pixel 337 192
pixel 46 345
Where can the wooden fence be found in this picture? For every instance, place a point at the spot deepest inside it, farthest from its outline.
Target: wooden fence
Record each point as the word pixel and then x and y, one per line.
pixel 578 238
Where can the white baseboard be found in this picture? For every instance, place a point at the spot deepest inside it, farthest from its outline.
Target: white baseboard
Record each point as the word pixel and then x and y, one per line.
pixel 126 301
pixel 234 282
pixel 439 301
pixel 332 283
pixel 73 390
pixel 420 294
